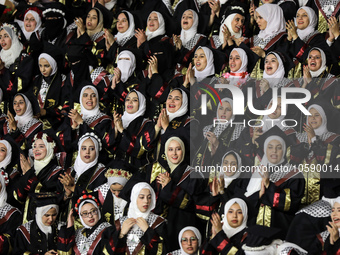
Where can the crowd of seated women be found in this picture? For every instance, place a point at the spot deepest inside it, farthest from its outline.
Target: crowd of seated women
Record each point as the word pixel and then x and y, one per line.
pixel 106 147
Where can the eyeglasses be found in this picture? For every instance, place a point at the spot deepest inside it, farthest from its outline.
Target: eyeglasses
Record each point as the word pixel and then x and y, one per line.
pixel 186 240
pixel 87 214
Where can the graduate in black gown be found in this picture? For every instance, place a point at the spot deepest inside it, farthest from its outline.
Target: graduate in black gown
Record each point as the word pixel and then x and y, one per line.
pixel 190 240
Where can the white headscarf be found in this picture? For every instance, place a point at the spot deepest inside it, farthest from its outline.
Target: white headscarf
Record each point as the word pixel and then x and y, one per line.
pixel 159 31
pixel 133 211
pixel 209 69
pixel 269 124
pixel 79 212
pixel 126 67
pixel 109 5
pixel 8 158
pixel 244 59
pixel 230 101
pixel 323 64
pixel 313 20
pixel 279 73
pixel 3 192
pixel 127 118
pixel 323 128
pixel 233 77
pixel 37 26
pixel 182 110
pixel 228 230
pixel 177 139
pixel 88 113
pixel 197 234
pixel 51 61
pixel 227 22
pixel 273 14
pixel 186 35
pixel 40 164
pixel 28 114
pixel 40 212
pixel 79 165
pixel 129 32
pixel 229 179
pixel 265 160
pixel 9 56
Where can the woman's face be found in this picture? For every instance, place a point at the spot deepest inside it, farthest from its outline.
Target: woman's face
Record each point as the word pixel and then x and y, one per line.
pixel 224 111
pixel 314 120
pixel 189 242
pixel 271 64
pixel 5 40
pixel 274 151
pixel 235 61
pixel 19 105
pixel 174 153
pixel 153 23
pixel 187 20
pixel 335 215
pixel 144 200
pixel 3 152
pixel 277 113
pixel 39 149
pixel 116 188
pixel 235 215
pixel 314 60
pixel 261 22
pixel 89 214
pixel 92 20
pixel 302 19
pixel 89 99
pixel 88 151
pixel 237 23
pixel 174 101
pixel 132 103
pixel 49 217
pixel 200 60
pixel 30 22
pixel 229 165
pixel 45 67
pixel 122 23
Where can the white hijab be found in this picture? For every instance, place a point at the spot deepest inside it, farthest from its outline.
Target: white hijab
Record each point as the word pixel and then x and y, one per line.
pixel 229 179
pixel 233 77
pixel 127 118
pixel 37 26
pixel 40 164
pixel 197 234
pixel 273 14
pixel 186 35
pixel 209 69
pixel 134 212
pixel 177 139
pixel 109 5
pixel 79 212
pixel 254 184
pixel 230 101
pixel 276 77
pixel 182 110
pixel 28 114
pixel 89 113
pixel 79 165
pixel 227 22
pixel 228 230
pixel 51 61
pixel 269 124
pixel 244 59
pixel 9 56
pixel 8 158
pixel 313 20
pixel 323 128
pixel 3 192
pixel 126 67
pixel 40 212
pixel 323 64
pixel 129 32
pixel 159 31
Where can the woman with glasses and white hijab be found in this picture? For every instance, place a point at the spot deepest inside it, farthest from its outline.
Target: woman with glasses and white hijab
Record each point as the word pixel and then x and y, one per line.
pixel 141 229
pixel 190 240
pixel 10 217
